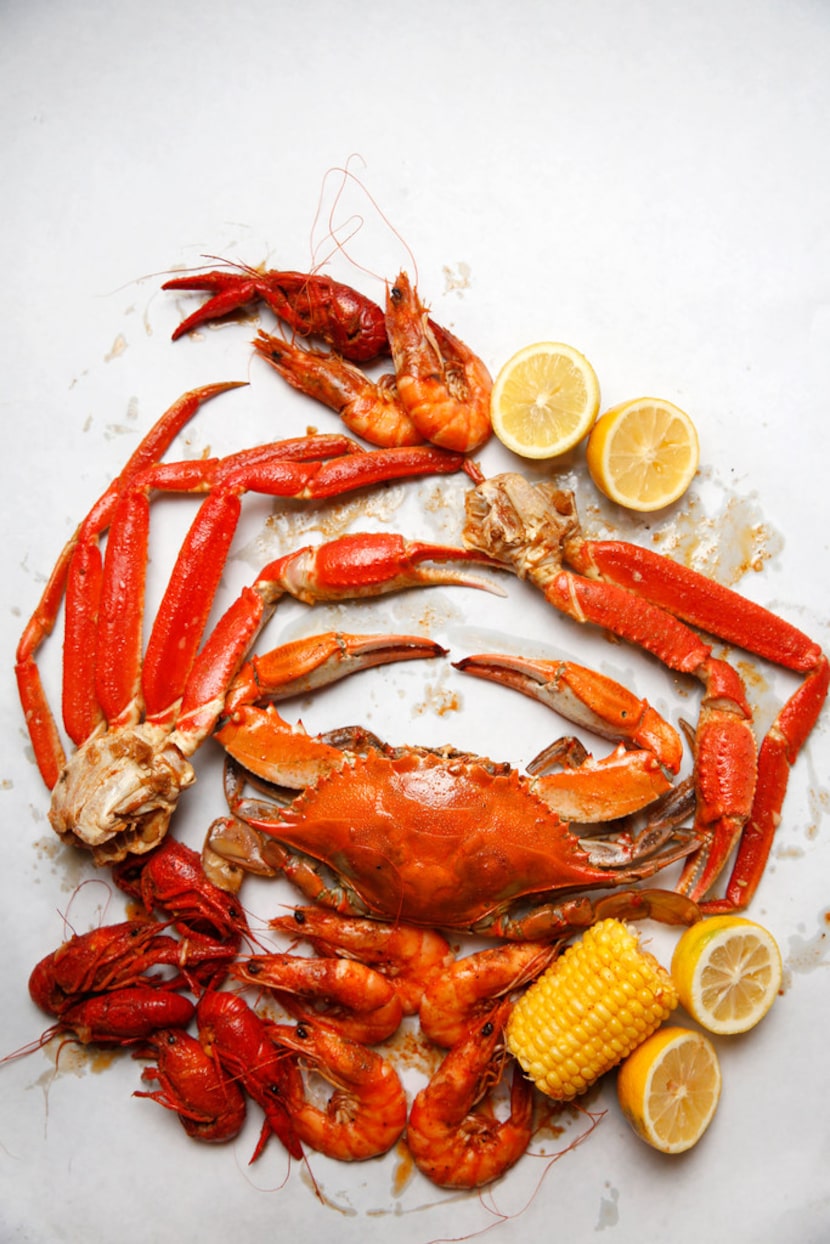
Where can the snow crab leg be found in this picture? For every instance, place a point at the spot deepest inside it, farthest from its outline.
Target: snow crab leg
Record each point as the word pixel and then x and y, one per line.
pixel 136 720
pixel 648 600
pixel 79 562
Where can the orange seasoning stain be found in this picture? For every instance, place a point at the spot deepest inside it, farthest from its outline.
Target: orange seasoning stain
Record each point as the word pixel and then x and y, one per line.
pixel 410 1050
pixel 438 700
pixel 726 545
pixel 99 1058
pixel 752 676
pixel 725 542
pixel 552 1117
pixel 72 1057
pixel 404 1168
pixel 819 807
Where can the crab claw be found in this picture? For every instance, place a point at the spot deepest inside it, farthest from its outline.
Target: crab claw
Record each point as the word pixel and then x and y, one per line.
pixel 258 737
pixel 364 564
pixel 594 790
pixel 585 697
pixel 305 665
pixel 667 906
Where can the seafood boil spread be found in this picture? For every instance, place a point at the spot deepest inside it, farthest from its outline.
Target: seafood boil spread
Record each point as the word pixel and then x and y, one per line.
pixel 399 855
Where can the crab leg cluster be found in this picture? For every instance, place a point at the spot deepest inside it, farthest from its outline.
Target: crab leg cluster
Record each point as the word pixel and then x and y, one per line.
pixel 78 562
pixel 648 600
pixel 136 720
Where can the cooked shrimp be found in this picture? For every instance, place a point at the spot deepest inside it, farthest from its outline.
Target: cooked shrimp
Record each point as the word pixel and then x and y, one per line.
pixel 468 988
pixel 453 1134
pixel 407 955
pixel 443 386
pixel 353 998
pixel 366 1112
pixel 371 410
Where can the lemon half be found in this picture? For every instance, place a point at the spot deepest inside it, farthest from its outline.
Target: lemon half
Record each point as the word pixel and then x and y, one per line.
pixel 669 1088
pixel 643 454
pixel 728 972
pixel 545 400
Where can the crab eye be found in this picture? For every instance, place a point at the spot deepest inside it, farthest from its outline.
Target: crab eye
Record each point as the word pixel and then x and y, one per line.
pixel 487 1030
pixel 253 967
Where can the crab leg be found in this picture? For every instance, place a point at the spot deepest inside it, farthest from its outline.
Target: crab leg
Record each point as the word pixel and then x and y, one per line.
pixel 102 660
pixel 349 568
pixel 722 612
pixel 97 620
pixel 779 751
pixel 570 915
pixel 293 470
pixel 596 790
pixel 103 678
pixel 77 571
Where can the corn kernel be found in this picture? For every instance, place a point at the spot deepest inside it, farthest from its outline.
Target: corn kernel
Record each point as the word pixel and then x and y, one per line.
pixel 600 1000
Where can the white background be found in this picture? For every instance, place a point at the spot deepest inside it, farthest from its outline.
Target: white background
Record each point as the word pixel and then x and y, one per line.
pixel 646 181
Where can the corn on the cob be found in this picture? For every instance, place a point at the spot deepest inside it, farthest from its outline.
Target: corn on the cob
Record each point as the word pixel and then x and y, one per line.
pixel 589 1010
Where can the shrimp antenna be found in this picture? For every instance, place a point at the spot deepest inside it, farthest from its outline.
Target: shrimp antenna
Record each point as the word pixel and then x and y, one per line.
pixel 353 223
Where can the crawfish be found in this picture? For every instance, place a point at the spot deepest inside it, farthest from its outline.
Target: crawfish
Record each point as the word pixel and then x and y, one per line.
pixel 123 1017
pixel 116 956
pixel 111 957
pixel 311 304
pixel 237 1038
pixel 210 1105
pixel 171 879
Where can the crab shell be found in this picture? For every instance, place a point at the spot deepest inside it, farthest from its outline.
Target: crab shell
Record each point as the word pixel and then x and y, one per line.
pixel 448 839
